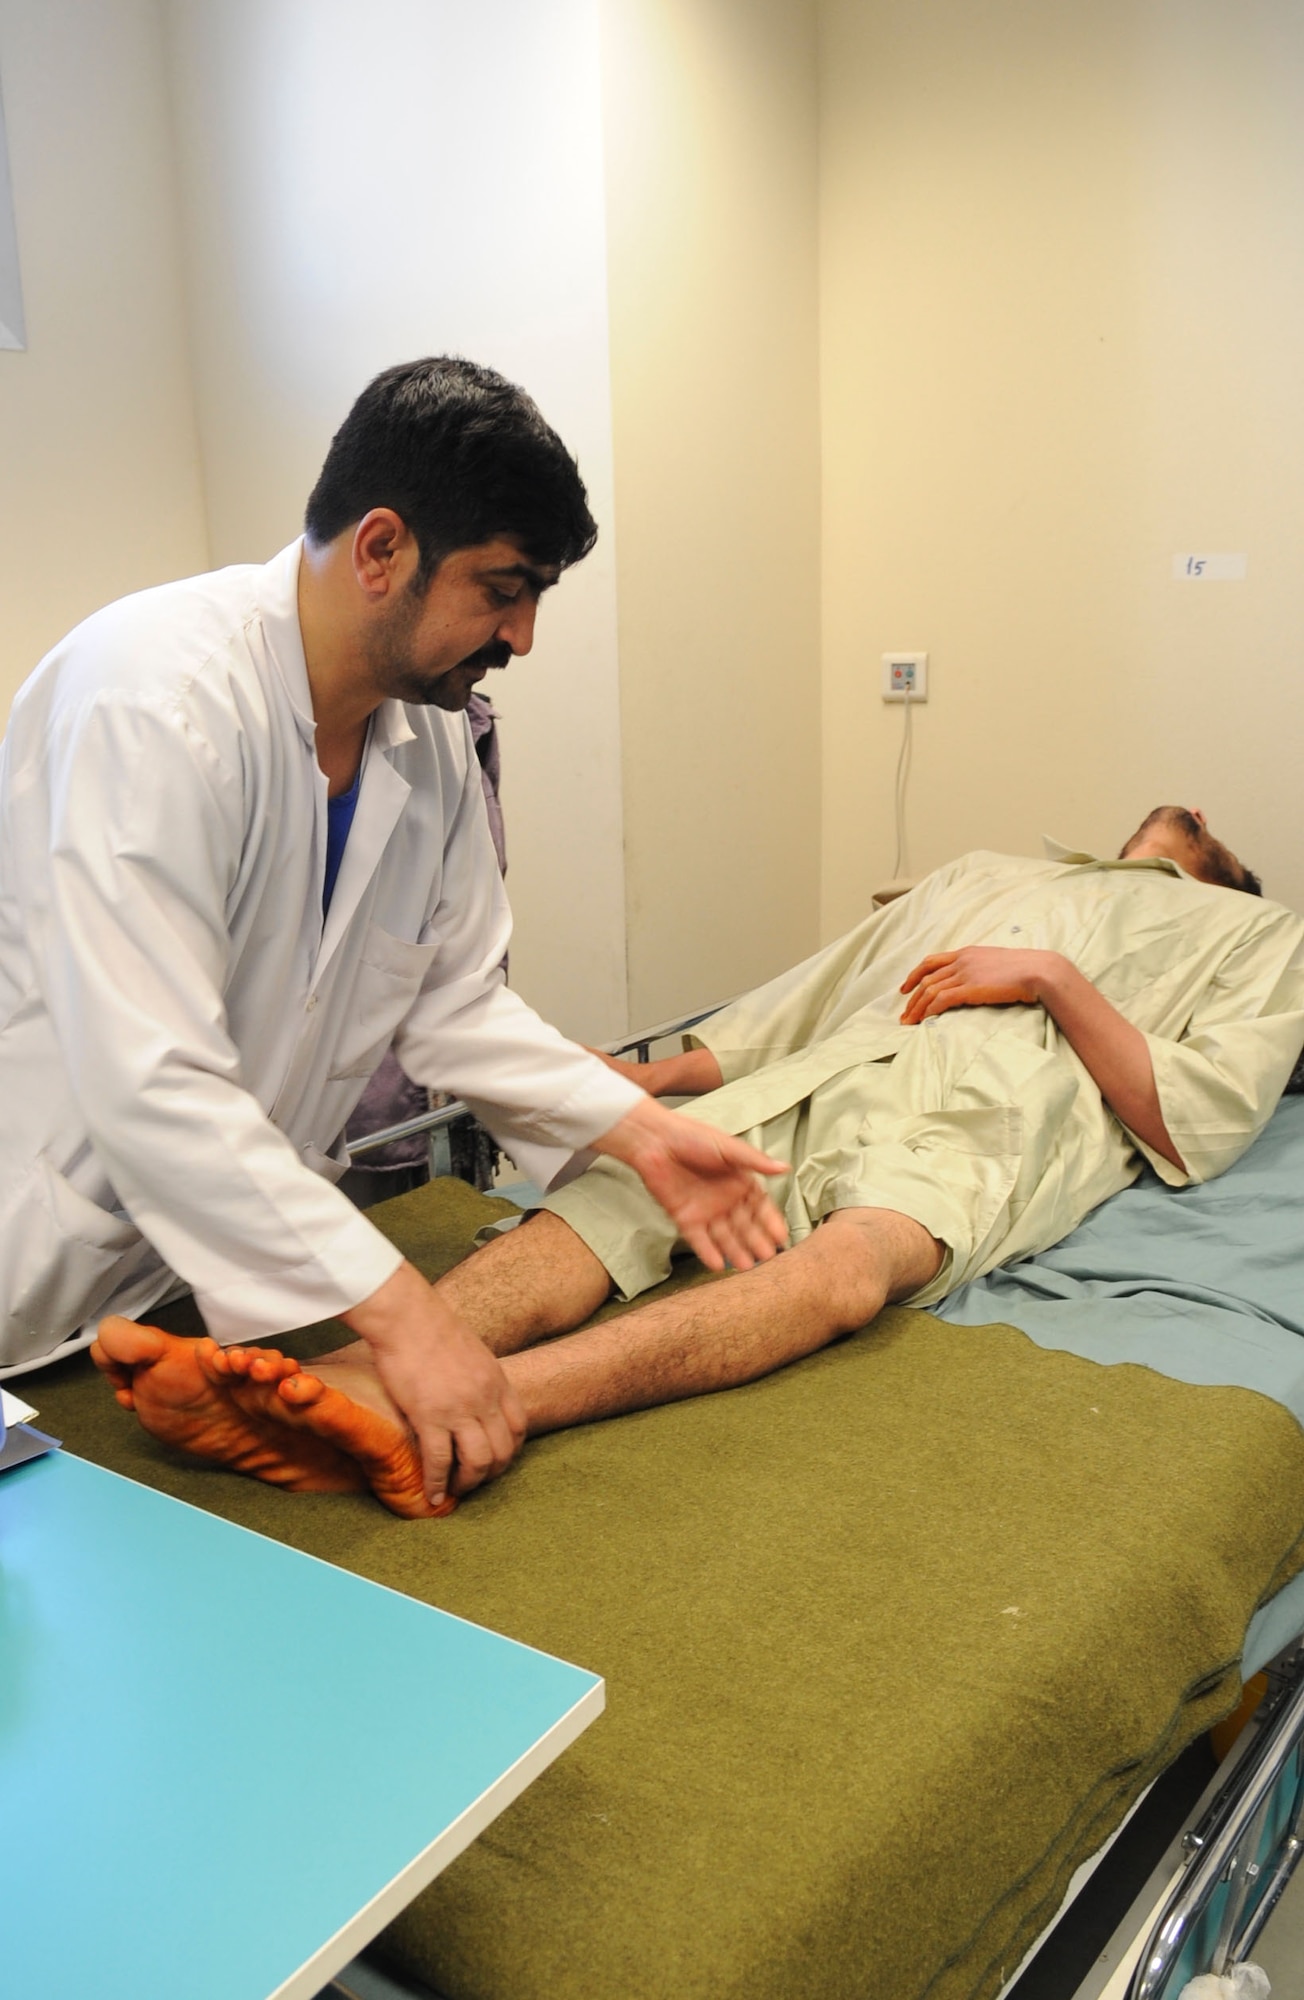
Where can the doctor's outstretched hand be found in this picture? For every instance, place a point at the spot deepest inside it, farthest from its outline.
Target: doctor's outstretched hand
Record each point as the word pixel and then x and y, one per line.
pixel 464 1413
pixel 706 1182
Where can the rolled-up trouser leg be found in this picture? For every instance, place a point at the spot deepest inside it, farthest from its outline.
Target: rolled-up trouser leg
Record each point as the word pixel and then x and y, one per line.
pixel 849 1145
pixel 629 1232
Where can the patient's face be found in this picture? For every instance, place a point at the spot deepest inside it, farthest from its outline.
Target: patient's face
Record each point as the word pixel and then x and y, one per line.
pixel 1181 835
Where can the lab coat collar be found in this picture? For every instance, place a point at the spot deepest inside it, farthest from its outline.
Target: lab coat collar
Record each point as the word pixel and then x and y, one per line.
pixel 279 606
pixel 1073 857
pixel 383 792
pixel 390 726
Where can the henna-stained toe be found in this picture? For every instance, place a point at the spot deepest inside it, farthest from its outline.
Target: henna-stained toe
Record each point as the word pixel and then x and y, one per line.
pixel 384 1449
pixel 119 1348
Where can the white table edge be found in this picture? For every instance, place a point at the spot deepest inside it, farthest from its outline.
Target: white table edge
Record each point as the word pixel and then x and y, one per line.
pixel 390 1901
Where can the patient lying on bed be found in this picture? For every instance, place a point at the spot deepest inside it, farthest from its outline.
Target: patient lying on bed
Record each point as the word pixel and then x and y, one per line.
pixel 957 1083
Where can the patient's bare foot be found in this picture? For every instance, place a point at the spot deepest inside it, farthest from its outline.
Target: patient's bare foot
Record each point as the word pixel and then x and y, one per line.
pixel 178 1391
pixel 349 1413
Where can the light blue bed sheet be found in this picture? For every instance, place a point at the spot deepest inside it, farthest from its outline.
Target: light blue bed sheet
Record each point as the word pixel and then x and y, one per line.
pixel 1205 1284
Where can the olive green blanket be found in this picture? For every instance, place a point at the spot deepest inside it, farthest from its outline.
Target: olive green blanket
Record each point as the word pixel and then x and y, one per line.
pixel 892 1640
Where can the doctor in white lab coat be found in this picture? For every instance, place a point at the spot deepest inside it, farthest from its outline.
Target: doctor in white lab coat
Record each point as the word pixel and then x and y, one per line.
pixel 190 1008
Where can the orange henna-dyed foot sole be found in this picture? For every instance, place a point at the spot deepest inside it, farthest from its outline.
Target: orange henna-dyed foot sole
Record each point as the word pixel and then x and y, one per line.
pixel 272 1389
pixel 183 1391
pixel 253 1410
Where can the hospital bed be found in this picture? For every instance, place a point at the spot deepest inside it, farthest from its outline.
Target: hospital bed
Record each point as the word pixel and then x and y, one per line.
pixel 1247 1836
pixel 895 1641
pixel 1208 1286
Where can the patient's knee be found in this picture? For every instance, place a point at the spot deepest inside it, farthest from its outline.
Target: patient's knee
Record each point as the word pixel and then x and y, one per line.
pixel 537 1279
pixel 872 1256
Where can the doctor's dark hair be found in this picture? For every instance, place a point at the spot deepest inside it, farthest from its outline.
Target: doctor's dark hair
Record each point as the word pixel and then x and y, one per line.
pixel 462 456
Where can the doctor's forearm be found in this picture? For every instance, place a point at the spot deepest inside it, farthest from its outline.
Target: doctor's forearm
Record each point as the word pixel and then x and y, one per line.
pixel 1114 1052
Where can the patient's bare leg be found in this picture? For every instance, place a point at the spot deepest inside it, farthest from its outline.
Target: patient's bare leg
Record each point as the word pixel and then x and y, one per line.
pixel 719 1335
pixel 541 1278
pixel 537 1280
pixel 332 1427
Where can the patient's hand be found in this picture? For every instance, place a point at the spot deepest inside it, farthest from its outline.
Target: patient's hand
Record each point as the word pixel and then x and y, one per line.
pixel 633 1072
pixel 706 1182
pixel 1115 1053
pixel 981 975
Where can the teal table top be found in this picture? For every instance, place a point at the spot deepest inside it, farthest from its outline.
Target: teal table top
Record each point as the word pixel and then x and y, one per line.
pixel 224 1765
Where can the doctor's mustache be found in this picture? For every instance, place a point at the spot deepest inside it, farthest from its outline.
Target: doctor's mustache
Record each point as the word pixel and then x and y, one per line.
pixel 496 653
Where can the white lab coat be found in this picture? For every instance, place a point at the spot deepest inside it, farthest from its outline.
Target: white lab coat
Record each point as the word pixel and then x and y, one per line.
pixel 181 1043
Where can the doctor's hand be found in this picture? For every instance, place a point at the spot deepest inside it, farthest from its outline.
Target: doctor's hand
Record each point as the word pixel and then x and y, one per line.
pixel 978 976
pixel 464 1413
pixel 706 1182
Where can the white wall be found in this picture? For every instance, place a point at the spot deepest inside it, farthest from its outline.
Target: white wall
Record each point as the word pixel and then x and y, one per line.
pixel 1055 326
pixel 712 158
pixel 361 192
pixel 99 479
pixel 1063 315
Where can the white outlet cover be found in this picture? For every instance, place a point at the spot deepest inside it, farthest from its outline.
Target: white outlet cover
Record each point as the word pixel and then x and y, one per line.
pixel 905 676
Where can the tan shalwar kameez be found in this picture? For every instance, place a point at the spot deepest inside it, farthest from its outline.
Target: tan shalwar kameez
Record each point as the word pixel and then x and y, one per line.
pixel 982 1124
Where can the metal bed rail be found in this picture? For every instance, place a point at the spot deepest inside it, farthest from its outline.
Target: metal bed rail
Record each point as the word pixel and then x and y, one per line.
pixel 638 1045
pixel 1225 1851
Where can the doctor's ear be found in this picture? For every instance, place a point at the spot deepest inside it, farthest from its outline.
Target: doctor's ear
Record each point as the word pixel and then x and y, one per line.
pixel 385 553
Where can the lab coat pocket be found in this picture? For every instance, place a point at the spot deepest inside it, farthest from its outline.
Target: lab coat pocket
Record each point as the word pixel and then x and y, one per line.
pixel 61 1259
pixel 387 980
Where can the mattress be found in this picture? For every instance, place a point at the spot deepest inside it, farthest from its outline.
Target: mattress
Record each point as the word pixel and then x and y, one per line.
pixel 1205 1284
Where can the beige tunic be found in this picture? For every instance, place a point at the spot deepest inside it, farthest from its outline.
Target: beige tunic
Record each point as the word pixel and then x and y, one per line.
pixel 982 1124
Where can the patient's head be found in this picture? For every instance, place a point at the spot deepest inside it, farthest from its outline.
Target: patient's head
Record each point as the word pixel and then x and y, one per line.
pixel 1183 837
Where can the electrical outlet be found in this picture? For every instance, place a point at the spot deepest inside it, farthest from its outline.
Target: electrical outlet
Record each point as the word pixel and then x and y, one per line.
pixel 905 677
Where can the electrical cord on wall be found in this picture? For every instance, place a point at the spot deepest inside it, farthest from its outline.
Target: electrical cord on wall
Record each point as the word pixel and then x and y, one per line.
pixel 901 863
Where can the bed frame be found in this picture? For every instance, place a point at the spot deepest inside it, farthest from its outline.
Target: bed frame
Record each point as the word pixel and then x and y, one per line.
pixel 438 1121
pixel 1209 1899
pixel 1203 1914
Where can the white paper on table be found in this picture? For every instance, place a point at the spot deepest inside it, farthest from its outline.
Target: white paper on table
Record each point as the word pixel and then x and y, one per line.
pixel 14 1410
